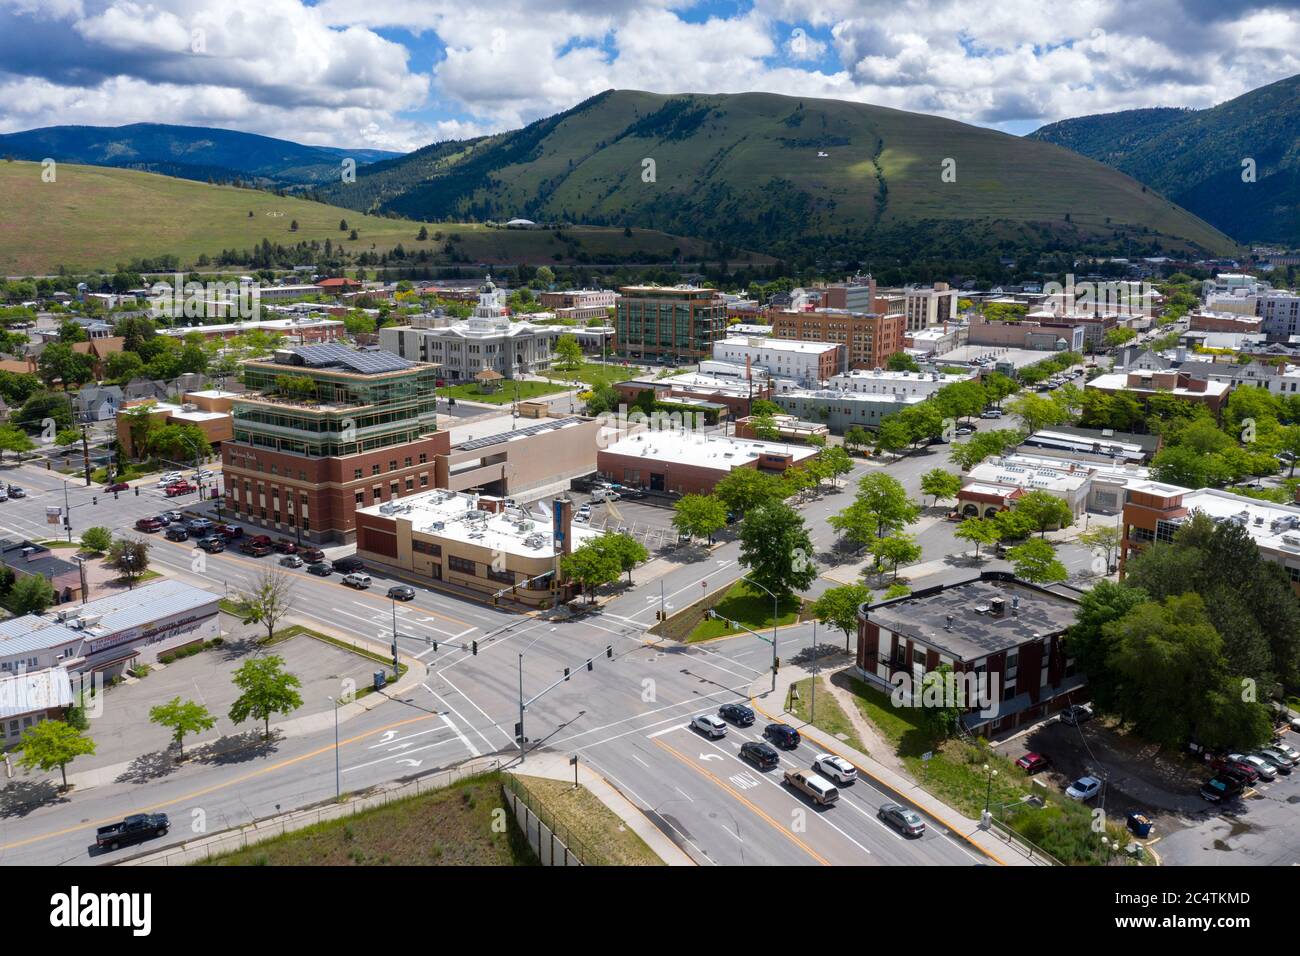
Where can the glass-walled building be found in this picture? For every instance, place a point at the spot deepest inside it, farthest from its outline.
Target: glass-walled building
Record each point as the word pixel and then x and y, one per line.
pixel 323 430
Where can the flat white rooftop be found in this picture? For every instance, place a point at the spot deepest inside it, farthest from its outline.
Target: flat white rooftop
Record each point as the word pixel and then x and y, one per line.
pixel 1271 525
pixel 1011 472
pixel 455 516
pixel 1114 381
pixel 704 451
pixel 775 345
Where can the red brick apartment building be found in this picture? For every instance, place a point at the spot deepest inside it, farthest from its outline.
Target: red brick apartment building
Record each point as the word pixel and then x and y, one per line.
pixel 869 337
pixel 994 630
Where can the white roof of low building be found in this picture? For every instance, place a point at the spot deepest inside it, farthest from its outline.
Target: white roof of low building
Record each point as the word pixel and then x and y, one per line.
pixel 142 605
pixel 704 450
pixel 456 516
pixel 1017 473
pixel 1115 381
pixel 1269 524
pixel 776 345
pixel 34 691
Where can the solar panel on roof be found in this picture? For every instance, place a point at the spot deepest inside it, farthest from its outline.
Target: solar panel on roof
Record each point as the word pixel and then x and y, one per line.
pixel 371 363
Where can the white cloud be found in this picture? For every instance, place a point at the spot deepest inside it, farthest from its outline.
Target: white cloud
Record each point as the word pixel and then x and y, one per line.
pixel 324 73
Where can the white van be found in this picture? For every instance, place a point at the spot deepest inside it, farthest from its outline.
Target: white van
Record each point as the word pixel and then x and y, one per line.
pixel 604 494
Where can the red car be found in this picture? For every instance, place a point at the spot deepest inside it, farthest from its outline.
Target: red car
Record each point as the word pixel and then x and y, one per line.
pixel 285 546
pixel 1239 766
pixel 117 486
pixel 229 531
pixel 1032 763
pixel 180 488
pixel 148 525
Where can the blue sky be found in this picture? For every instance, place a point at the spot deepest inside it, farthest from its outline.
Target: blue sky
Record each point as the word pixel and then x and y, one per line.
pixel 398 74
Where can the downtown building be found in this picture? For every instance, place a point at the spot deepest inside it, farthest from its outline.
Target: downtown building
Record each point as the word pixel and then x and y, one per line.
pixel 870 338
pixel 323 430
pixel 673 324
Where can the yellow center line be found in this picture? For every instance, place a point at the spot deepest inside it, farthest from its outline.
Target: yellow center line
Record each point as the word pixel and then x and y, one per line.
pixel 736 793
pixel 218 786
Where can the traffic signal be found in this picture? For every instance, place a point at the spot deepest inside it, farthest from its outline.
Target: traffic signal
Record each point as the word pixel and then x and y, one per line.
pixel 776 664
pixel 474 648
pixel 519 732
pixel 137 491
pixel 94 500
pixel 589 666
pixel 435 647
pixel 566 673
pixel 609 651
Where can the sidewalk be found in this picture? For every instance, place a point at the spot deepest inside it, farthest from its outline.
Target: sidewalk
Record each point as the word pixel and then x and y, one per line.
pixel 556 767
pixel 989 843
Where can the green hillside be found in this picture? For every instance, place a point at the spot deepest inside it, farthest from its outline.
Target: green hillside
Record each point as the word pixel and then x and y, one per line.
pixel 747 169
pixel 96 217
pixel 1195 157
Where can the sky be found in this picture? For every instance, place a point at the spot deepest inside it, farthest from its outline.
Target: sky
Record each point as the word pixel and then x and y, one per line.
pixel 399 74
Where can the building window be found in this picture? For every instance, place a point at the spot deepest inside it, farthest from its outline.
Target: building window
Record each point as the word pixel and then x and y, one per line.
pixel 408 463
pixel 424 481
pixel 356 473
pixel 460 564
pixel 374 470
pixel 392 465
pixel 361 498
pixel 410 484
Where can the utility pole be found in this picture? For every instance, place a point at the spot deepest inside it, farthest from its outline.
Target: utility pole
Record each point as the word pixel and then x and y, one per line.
pixel 522 750
pixel 85 459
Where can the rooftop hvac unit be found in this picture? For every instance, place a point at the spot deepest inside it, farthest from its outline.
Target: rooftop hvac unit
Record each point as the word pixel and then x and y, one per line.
pixel 90 620
pixel 66 613
pixel 437 526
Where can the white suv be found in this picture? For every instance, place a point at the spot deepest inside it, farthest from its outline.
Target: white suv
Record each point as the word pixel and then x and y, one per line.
pixel 709 725
pixel 836 768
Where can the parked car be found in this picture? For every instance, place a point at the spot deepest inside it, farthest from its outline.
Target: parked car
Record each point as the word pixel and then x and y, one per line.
pixel 172 516
pixel 761 755
pixel 990 413
pixel 738 714
pixel 203 475
pixel 401 592
pixel 321 569
pixel 291 561
pixel 905 821
pixel 1285 749
pixel 783 735
pixel 213 544
pixel 1076 714
pixel 1218 790
pixel 200 526
pixel 1281 763
pixel 16 492
pixel 230 531
pixel 818 789
pixel 164 519
pixel 1265 769
pixel 1031 763
pixel 117 486
pixel 176 533
pixel 1085 788
pixel 311 555
pixel 168 478
pixel 709 725
pixel 358 581
pixel 349 564
pixel 605 494
pixel 285 546
pixel 255 549
pixel 180 488
pixel 137 827
pixel 148 525
pixel 836 768
pixel 1239 766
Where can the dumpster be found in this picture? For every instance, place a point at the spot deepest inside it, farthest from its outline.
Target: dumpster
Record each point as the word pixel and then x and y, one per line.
pixel 1140 824
pixel 381 679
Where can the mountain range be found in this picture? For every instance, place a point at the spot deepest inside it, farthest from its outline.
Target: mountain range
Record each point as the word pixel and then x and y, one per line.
pixel 187 152
pixel 784 175
pixel 1236 165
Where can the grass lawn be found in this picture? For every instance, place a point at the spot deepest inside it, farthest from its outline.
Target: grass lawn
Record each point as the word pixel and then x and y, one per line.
pixel 955 774
pixel 507 393
pixel 591 373
pixel 830 715
pixel 747 606
pixel 452 826
pixel 594 825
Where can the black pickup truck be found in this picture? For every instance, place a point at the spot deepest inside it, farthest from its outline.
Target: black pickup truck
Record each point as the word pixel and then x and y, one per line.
pixel 137 827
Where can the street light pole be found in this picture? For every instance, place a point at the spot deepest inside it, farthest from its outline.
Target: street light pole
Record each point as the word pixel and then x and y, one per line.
pixel 394 603
pixel 812 707
pixel 774 618
pixel 522 750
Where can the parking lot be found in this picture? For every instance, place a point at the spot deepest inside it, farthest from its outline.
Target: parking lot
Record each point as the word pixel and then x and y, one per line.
pixel 123 733
pixel 649 520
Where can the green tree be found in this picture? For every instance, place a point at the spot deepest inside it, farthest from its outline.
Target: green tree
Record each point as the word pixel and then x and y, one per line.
pixel 881 501
pixel 569 352
pixel 14 440
pixel 1105 602
pixel 857 437
pixel 942 703
pixel 182 717
pixel 940 484
pixel 893 435
pixel 1037 411
pixel 31 594
pixel 624 548
pixel 266 689
pixel 744 489
pixel 902 362
pixel 1035 561
pixel 777 550
pixel 53 743
pixel 977 530
pixel 836 462
pixel 98 539
pixel 268 601
pixel 590 567
pixel 59 363
pixel 130 557
pixel 1042 510
pixel 838 608
pixel 895 550
pixel 699 516
pixel 1103 541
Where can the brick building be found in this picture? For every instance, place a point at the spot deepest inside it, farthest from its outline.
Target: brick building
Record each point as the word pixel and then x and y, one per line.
pixel 870 338
pixel 324 430
pixel 672 323
pixel 691 463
